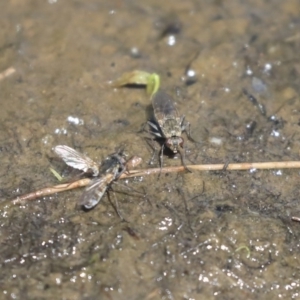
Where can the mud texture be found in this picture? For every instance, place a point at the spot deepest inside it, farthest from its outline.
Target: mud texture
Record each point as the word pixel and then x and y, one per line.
pixel 233 68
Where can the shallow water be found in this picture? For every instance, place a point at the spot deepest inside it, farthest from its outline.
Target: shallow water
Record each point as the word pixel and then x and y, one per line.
pixel 234 70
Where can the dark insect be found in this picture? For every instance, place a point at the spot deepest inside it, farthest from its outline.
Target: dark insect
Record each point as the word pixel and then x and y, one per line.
pixel 168 125
pixel 109 171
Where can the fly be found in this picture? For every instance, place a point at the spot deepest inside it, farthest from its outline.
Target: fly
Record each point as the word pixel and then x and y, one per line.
pixel 105 174
pixel 169 125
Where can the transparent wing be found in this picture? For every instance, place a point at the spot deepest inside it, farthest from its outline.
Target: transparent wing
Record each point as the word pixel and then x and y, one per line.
pixel 95 191
pixel 76 160
pixel 163 106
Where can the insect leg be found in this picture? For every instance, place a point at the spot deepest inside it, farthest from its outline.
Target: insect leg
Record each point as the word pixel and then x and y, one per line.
pixel 115 205
pixel 161 157
pixel 182 155
pixel 186 127
pixel 153 148
pixel 154 129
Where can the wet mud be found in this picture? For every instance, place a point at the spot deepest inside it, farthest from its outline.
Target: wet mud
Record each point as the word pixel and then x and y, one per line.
pixel 233 69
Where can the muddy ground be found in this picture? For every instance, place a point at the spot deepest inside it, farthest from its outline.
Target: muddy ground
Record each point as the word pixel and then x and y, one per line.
pixel 233 69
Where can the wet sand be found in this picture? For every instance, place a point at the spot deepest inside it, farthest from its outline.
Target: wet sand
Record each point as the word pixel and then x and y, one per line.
pixel 233 70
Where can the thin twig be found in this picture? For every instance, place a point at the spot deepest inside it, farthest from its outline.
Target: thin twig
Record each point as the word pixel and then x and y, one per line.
pixel 136 173
pixel 7 73
pixel 51 190
pixel 219 167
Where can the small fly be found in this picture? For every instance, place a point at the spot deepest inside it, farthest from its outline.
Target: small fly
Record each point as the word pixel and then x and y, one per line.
pixel 109 171
pixel 168 125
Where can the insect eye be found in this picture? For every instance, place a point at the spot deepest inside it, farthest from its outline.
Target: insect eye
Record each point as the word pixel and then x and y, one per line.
pixel 169 143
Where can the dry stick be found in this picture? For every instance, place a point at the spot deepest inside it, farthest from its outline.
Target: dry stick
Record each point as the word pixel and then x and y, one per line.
pixel 7 73
pixel 216 167
pixel 135 173
pixel 51 190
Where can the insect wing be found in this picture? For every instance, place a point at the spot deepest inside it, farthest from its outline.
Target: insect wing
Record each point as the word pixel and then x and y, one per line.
pixel 95 191
pixel 76 160
pixel 163 106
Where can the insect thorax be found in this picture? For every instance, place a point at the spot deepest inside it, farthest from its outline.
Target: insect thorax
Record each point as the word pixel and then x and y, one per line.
pixel 113 164
pixel 171 127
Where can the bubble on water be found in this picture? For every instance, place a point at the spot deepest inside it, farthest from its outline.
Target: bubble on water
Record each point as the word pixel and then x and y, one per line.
pixel 249 71
pixel 60 131
pixel 171 40
pixel 267 68
pixel 75 120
